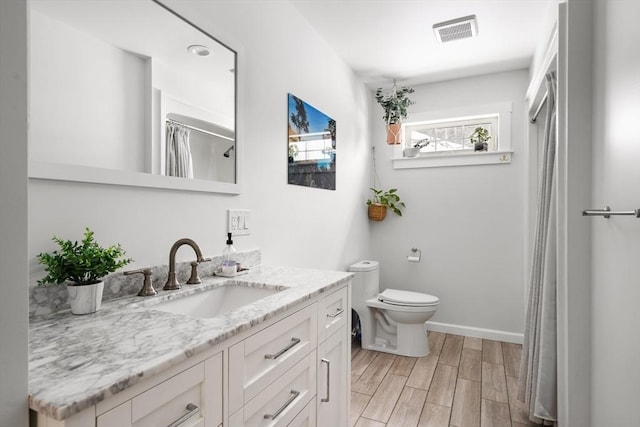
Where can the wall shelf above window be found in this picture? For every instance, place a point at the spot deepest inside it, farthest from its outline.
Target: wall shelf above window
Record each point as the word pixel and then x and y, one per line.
pixel 453 159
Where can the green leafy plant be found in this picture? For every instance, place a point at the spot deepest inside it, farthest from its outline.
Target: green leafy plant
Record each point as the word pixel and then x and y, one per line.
pixel 83 263
pixel 395 105
pixel 389 198
pixel 479 135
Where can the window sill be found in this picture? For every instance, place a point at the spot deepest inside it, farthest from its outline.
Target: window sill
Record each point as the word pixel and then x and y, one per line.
pixel 450 159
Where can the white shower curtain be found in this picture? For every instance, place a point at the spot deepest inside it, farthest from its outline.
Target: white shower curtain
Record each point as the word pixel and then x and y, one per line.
pixel 178 153
pixel 538 372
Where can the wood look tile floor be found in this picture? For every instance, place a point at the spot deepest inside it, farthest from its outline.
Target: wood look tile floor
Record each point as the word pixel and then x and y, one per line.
pixel 464 382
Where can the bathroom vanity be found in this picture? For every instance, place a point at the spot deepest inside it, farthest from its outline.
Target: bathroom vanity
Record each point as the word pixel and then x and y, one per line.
pixel 275 353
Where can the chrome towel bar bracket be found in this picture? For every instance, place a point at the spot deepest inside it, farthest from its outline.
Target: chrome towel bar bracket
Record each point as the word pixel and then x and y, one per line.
pixel 607 212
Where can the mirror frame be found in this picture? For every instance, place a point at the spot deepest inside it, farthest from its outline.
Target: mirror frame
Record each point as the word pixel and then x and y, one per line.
pixel 87 174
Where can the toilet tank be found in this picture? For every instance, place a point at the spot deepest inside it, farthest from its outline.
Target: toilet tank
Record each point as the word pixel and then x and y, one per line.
pixel 366 280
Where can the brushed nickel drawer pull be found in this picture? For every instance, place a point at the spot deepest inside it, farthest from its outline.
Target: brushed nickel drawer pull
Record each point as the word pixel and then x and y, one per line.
pixel 193 409
pixel 337 313
pixel 292 344
pixel 293 396
pixel 323 360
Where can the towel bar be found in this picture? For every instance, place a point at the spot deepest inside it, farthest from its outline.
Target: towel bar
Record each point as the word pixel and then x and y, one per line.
pixel 607 212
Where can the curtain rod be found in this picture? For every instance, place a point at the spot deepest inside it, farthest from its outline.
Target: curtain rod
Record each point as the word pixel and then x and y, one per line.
pixel 200 130
pixel 539 109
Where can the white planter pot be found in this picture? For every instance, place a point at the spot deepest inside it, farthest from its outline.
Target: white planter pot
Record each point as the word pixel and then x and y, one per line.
pixel 85 299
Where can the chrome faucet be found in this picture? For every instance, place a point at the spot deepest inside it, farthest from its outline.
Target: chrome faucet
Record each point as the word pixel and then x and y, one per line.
pixel 172 283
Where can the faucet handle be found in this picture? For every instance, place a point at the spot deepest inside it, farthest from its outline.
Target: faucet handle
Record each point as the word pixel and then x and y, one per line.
pixel 194 279
pixel 147 287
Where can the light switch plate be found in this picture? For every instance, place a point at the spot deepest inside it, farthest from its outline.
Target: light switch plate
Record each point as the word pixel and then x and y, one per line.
pixel 239 221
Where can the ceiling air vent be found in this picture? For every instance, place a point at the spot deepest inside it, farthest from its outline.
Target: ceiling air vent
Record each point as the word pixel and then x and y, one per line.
pixel 456 29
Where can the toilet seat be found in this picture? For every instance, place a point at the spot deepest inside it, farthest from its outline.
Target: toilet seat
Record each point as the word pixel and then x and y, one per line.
pixel 407 298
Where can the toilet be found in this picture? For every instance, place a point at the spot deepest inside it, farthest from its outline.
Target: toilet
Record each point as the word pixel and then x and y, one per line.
pixel 392 321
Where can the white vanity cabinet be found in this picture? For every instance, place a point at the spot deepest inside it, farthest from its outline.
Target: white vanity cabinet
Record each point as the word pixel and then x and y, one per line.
pixel 289 370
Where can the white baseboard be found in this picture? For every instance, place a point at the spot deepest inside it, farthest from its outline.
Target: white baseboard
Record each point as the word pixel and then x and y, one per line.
pixel 469 331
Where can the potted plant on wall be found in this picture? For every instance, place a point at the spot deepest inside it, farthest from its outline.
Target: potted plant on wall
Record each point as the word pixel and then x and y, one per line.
pixel 83 266
pixel 382 200
pixel 395 107
pixel 479 139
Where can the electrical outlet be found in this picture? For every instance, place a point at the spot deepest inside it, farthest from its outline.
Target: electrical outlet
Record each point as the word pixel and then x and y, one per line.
pixel 239 222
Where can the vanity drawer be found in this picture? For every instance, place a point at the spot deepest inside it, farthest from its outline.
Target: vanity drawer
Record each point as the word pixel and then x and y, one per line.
pixel 306 417
pixel 333 313
pixel 265 356
pixel 196 391
pixel 281 402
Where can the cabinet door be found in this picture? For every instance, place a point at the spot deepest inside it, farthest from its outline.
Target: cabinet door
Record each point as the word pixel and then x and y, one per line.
pixel 333 380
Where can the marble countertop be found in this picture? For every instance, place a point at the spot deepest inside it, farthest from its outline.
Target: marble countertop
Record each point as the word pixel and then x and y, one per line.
pixel 78 361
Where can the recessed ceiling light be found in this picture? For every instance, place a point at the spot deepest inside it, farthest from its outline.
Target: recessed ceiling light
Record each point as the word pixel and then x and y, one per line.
pixel 456 29
pixel 198 49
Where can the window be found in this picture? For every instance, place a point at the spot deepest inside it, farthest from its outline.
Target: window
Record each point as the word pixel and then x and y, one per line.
pixel 451 135
pixel 448 135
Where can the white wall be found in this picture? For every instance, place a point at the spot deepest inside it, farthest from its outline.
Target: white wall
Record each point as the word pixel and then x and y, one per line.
pixel 467 220
pixel 13 214
pixel 79 112
pixel 616 242
pixel 293 225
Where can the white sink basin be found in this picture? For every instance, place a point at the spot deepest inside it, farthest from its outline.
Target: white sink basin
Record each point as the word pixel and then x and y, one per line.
pixel 215 301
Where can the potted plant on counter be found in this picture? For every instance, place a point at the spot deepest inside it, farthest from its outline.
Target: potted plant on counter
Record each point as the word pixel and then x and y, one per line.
pixel 83 266
pixel 382 200
pixel 395 107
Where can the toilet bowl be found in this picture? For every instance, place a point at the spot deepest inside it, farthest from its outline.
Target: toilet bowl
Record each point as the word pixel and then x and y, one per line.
pixel 392 321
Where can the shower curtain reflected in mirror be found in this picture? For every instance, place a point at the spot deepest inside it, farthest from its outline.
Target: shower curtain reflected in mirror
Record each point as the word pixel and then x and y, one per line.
pixel 179 162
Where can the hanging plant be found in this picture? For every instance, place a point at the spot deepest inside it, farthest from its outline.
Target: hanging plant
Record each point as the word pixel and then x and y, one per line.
pixel 395 106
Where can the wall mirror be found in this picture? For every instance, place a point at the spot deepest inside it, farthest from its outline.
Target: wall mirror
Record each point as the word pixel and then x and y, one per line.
pixel 129 93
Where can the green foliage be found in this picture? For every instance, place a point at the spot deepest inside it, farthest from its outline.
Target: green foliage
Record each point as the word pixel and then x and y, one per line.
pixel 387 198
pixel 480 134
pixel 396 104
pixel 85 263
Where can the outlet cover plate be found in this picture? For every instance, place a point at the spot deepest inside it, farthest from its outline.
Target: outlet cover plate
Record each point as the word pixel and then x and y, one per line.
pixel 239 221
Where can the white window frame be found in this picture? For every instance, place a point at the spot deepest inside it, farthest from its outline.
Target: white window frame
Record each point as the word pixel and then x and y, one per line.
pixel 502 155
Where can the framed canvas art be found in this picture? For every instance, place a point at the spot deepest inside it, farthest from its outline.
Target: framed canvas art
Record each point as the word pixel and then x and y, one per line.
pixel 311 146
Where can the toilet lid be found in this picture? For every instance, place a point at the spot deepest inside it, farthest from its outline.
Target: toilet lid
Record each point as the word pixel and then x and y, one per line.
pixel 408 298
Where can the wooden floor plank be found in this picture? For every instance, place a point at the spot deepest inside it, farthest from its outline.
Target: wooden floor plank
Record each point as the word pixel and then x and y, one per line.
pixel 436 341
pixel 466 404
pixel 443 385
pixel 364 422
pixel 361 361
pixel 450 353
pixel 403 365
pixel 494 414
pixel 511 355
pixel 372 376
pixel 494 383
pixel 358 403
pixel 434 416
pixel 422 372
pixel 472 343
pixel 470 364
pixel 384 400
pixel 492 351
pixel 408 409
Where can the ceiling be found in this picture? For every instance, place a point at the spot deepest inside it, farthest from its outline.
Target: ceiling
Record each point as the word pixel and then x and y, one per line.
pixel 383 40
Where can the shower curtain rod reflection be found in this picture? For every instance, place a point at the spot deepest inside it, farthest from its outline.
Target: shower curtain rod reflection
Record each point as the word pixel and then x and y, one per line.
pixel 200 130
pixel 539 109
